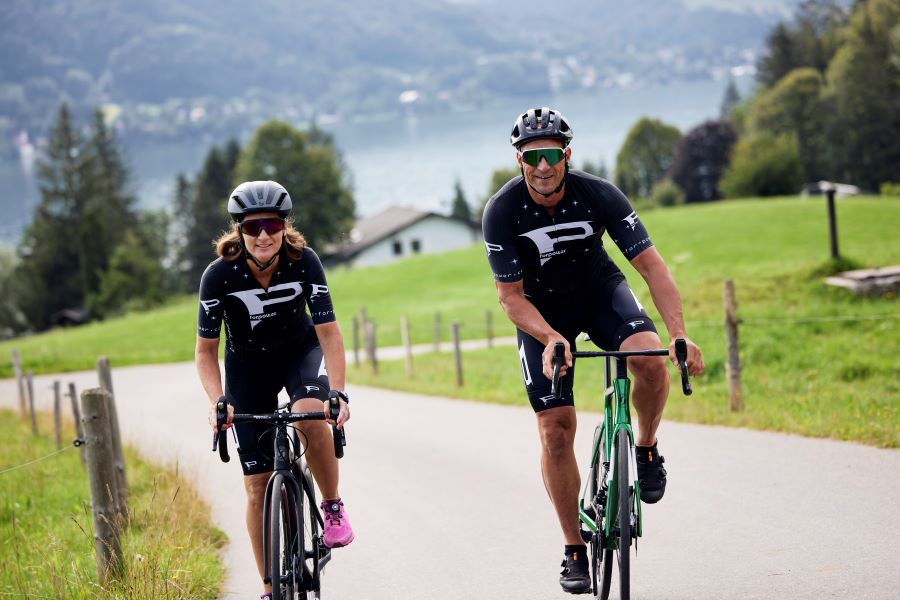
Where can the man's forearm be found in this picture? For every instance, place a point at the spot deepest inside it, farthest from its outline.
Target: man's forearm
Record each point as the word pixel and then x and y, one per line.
pixel 526 317
pixel 667 300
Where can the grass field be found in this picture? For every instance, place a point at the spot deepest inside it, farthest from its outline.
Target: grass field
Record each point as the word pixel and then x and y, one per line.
pixel 817 360
pixel 170 550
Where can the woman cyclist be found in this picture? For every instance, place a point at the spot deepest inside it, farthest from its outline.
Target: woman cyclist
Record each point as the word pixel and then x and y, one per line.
pixel 261 284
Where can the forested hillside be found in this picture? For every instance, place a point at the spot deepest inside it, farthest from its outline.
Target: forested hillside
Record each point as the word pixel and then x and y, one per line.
pixel 168 68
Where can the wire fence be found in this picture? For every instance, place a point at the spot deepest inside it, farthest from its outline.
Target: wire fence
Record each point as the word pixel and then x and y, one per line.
pixel 74 444
pixel 780 320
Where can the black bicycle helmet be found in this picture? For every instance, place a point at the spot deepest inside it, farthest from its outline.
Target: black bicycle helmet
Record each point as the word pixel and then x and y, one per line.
pixel 259 196
pixel 540 123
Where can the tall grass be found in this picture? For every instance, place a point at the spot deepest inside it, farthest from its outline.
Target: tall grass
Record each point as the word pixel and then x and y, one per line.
pixel 169 550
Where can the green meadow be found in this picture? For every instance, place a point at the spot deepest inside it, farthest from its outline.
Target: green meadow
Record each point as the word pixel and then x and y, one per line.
pixel 817 359
pixel 169 550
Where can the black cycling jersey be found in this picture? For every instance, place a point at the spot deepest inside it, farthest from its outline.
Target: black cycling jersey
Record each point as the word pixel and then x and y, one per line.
pixel 258 319
pixel 567 274
pixel 560 257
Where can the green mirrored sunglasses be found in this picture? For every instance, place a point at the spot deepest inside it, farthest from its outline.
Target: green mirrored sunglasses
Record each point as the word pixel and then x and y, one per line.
pixel 552 155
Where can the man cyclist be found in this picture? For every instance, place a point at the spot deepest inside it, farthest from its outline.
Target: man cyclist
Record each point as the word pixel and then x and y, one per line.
pixel 554 280
pixel 260 287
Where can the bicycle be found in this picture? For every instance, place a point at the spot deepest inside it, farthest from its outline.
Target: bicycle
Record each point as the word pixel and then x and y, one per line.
pixel 294 553
pixel 610 501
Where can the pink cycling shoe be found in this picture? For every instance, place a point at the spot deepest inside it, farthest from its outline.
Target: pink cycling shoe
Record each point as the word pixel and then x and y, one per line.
pixel 338 531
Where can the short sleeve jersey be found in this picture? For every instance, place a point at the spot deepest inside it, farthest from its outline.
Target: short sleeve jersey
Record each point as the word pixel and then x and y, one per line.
pixel 560 257
pixel 263 319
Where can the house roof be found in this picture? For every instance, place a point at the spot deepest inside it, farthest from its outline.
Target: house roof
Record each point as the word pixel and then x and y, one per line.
pixel 375 228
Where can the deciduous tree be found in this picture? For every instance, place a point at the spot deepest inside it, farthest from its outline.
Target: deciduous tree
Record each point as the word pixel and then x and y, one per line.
pixel 645 155
pixel 702 155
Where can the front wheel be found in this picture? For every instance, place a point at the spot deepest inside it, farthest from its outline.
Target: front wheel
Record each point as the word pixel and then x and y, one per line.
pixel 312 537
pixel 626 509
pixel 283 526
pixel 601 558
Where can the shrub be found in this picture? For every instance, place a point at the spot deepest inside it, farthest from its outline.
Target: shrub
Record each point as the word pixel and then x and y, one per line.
pixel 889 188
pixel 666 193
pixel 763 165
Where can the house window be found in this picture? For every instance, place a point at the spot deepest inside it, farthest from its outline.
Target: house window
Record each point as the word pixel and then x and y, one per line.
pixel 416 246
pixel 398 248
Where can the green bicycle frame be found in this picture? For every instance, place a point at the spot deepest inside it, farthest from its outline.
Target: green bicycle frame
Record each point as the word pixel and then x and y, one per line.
pixel 616 416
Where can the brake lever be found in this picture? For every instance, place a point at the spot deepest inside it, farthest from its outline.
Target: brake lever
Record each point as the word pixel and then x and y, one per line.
pixel 559 355
pixel 220 437
pixel 681 358
pixel 334 411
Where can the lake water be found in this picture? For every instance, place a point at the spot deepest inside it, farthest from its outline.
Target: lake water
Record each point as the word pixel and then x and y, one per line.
pixel 414 160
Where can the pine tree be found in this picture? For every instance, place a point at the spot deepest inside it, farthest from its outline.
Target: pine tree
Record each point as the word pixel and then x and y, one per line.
pixel 460 208
pixel 52 273
pixel 731 99
pixel 109 213
pixel 207 214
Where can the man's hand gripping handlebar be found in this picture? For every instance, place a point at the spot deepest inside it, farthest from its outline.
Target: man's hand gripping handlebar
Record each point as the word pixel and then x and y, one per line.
pixel 559 351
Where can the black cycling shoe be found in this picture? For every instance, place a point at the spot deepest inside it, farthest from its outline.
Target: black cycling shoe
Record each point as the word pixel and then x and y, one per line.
pixel 574 577
pixel 651 473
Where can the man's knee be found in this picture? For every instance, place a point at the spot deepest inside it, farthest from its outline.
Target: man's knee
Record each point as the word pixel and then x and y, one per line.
pixel 650 371
pixel 557 429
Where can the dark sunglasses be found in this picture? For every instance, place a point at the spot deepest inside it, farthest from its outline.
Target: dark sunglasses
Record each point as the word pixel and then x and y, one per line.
pixel 552 155
pixel 255 226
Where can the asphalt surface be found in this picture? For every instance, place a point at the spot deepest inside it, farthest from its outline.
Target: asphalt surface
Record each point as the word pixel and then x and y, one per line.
pixel 447 501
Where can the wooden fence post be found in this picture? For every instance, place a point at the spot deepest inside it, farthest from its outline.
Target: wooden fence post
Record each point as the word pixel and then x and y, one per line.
pixel 20 382
pixel 832 222
pixel 79 428
pixel 57 414
pixel 489 319
pixel 102 478
pixel 437 332
pixel 30 379
pixel 355 341
pixel 457 354
pixel 733 366
pixel 105 374
pixel 407 344
pixel 370 346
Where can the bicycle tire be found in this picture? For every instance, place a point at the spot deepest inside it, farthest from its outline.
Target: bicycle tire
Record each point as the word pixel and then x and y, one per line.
pixel 626 506
pixel 601 558
pixel 311 536
pixel 283 529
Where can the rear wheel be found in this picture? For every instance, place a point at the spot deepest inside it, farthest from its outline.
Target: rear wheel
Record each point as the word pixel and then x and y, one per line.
pixel 626 508
pixel 601 558
pixel 283 526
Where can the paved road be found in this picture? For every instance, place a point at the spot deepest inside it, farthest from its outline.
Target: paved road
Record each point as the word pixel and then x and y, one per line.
pixel 447 501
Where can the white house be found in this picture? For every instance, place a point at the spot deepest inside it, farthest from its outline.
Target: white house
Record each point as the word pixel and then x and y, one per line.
pixel 398 232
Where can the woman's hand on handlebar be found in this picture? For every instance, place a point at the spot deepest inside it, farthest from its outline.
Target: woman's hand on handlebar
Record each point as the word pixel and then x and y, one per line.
pixel 212 415
pixel 694 356
pixel 547 357
pixel 343 416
